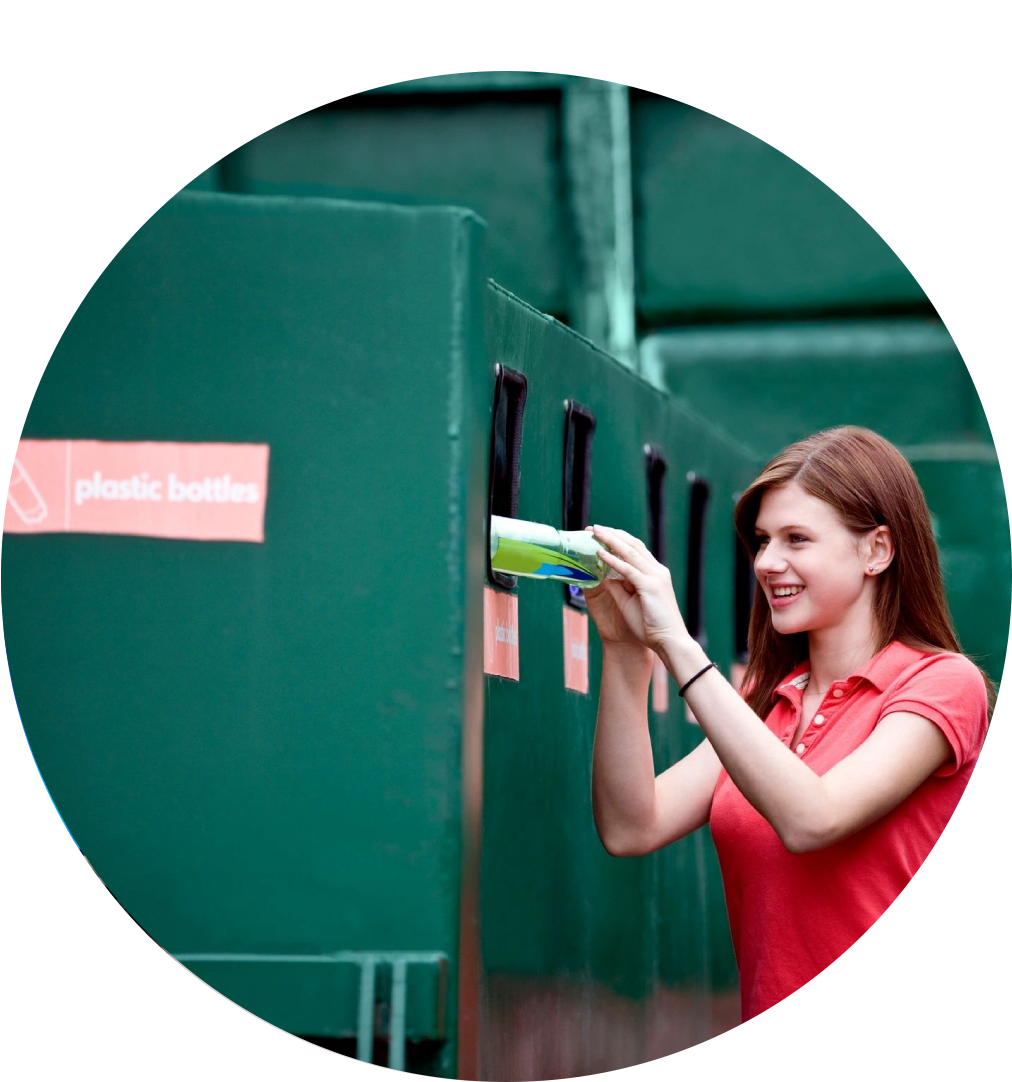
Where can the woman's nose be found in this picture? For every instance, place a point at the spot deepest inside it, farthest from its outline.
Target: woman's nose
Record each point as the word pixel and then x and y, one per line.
pixel 768 561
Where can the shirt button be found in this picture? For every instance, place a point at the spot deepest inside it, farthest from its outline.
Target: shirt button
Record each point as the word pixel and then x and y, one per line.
pixel 818 720
pixel 800 749
pixel 837 693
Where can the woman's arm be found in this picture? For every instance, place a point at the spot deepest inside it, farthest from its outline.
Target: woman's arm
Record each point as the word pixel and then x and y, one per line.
pixel 807 811
pixel 636 813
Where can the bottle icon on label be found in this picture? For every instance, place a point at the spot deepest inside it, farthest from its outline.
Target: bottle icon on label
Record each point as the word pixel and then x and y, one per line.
pixel 24 496
pixel 535 551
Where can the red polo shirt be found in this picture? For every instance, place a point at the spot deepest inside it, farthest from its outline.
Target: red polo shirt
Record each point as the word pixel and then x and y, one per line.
pixel 791 914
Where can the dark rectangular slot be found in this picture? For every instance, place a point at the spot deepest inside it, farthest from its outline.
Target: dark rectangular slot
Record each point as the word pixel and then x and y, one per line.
pixel 657 467
pixel 699 498
pixel 744 591
pixel 577 440
pixel 504 457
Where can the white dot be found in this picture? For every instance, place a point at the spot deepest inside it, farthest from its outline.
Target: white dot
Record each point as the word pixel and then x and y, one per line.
pixel 446 33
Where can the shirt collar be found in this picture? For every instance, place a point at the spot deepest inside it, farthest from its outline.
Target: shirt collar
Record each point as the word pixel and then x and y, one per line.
pixel 887 664
pixel 880 670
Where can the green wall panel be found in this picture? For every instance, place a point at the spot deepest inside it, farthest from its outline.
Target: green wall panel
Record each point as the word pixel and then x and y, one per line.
pixel 497 155
pixel 210 180
pixel 776 383
pixel 963 486
pixel 727 224
pixel 722 225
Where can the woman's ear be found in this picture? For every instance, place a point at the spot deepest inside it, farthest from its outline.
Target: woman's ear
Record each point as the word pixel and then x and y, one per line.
pixel 879 549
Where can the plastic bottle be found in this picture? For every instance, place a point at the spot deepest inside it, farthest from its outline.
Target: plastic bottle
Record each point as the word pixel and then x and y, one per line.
pixel 535 551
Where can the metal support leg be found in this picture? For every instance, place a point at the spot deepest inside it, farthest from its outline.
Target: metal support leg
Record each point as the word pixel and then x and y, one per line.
pixel 398 1014
pixel 366 1008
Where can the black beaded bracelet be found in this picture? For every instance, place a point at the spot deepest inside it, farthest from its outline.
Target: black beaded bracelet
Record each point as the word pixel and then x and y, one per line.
pixel 706 668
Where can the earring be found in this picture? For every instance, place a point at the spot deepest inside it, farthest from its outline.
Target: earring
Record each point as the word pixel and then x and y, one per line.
pixel 872 570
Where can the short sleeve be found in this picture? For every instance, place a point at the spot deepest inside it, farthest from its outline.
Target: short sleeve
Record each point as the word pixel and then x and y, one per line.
pixel 948 690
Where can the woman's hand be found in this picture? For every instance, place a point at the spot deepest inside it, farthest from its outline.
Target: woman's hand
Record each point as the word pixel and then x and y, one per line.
pixel 641 606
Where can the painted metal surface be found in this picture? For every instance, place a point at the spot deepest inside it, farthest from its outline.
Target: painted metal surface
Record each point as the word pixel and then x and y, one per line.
pixel 589 962
pixel 962 483
pixel 902 377
pixel 617 205
pixel 561 215
pixel 343 990
pixel 727 226
pixel 259 747
pixel 599 194
pixel 413 149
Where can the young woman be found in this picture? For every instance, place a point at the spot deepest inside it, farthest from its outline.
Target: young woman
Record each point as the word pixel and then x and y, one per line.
pixel 829 778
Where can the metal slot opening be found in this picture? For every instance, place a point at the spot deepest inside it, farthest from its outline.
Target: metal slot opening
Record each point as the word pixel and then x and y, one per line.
pixel 657 467
pixel 504 458
pixel 744 592
pixel 699 498
pixel 579 434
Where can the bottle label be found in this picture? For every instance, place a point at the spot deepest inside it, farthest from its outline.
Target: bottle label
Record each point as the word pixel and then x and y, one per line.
pixel 502 635
pixel 532 560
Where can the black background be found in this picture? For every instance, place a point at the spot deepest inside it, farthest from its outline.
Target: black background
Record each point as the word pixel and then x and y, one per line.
pixel 920 987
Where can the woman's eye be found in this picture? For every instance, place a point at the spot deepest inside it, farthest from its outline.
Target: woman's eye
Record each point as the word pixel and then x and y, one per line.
pixel 797 538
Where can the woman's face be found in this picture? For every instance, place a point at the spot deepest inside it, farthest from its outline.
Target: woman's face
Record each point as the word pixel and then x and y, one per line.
pixel 810 566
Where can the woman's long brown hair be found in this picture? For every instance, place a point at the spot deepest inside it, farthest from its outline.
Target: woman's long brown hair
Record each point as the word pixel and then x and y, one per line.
pixel 866 480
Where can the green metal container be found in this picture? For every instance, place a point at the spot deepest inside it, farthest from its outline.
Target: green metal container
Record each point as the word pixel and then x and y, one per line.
pixel 592 963
pixel 259 746
pixel 282 758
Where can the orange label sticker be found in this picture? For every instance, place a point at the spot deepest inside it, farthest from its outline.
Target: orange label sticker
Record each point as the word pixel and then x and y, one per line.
pixel 192 491
pixel 502 635
pixel 576 671
pixel 659 687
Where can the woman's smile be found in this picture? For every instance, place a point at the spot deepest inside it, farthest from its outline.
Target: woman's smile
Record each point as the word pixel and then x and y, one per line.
pixel 782 596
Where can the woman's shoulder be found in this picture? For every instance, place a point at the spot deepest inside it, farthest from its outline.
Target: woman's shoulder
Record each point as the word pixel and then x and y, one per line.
pixel 948 680
pixel 911 663
pixel 948 689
